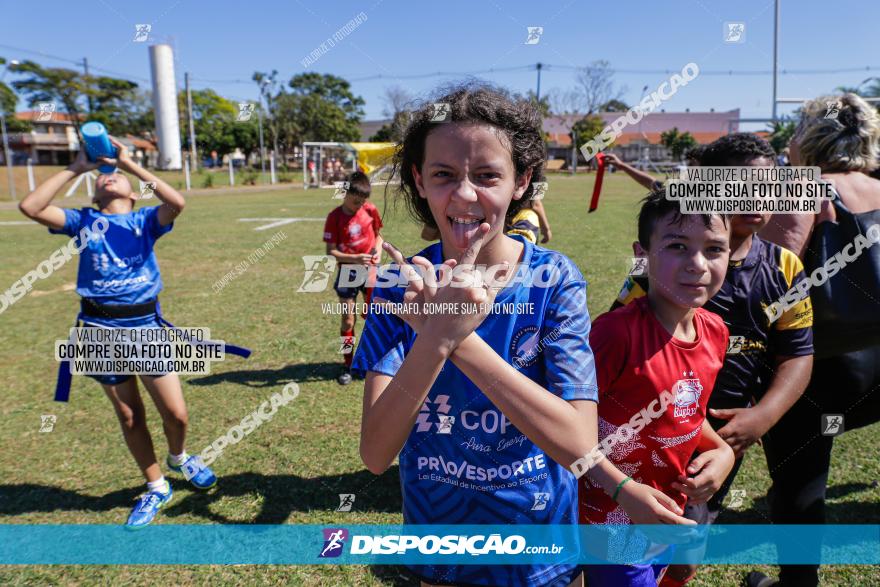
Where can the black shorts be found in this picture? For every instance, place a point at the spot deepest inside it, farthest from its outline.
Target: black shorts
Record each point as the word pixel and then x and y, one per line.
pixel 351 292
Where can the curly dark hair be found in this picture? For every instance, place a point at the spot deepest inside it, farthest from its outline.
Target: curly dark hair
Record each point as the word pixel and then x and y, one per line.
pixel 473 102
pixel 735 149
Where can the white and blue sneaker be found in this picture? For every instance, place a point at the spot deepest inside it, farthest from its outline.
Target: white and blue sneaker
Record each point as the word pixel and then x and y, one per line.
pixel 146 508
pixel 195 471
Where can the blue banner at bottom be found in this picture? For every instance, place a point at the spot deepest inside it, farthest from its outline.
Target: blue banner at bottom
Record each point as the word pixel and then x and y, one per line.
pixel 436 544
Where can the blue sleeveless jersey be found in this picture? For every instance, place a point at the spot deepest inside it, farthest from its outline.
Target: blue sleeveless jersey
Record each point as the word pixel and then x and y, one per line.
pixel 464 462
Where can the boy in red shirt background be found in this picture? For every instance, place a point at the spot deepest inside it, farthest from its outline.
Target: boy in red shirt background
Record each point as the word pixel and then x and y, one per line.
pixel 662 342
pixel 351 233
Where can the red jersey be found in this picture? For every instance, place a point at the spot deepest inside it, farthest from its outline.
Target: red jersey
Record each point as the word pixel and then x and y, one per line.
pixel 636 361
pixel 353 233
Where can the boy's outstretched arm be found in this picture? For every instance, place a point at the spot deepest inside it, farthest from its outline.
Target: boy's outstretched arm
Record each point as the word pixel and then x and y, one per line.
pixel 37 204
pixel 546 233
pixel 746 425
pixel 355 258
pixel 172 200
pixel 642 178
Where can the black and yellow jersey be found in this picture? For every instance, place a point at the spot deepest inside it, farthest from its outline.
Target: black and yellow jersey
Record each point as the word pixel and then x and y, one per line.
pixel 527 224
pixel 750 287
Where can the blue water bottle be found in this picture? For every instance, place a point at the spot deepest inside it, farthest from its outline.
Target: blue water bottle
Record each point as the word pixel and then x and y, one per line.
pixel 98 144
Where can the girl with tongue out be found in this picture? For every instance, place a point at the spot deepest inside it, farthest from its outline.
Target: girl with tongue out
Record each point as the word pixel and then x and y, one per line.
pixel 441 383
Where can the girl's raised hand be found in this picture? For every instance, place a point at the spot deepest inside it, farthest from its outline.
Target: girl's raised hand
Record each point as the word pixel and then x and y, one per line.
pixel 82 164
pixel 467 299
pixel 420 290
pixel 123 158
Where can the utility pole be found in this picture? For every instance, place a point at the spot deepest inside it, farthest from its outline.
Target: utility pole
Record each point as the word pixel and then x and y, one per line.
pixel 6 154
pixel 538 93
pixel 192 129
pixel 88 85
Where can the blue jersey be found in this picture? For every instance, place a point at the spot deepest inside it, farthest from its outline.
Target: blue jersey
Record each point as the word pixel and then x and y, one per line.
pixel 118 267
pixel 464 462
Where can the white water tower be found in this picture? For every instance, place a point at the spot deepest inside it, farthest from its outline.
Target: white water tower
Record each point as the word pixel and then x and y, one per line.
pixel 165 106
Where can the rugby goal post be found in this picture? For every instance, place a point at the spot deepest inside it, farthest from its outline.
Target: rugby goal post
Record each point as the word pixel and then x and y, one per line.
pixel 374 159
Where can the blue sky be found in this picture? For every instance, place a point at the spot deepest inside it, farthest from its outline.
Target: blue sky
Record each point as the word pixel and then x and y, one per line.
pixel 228 41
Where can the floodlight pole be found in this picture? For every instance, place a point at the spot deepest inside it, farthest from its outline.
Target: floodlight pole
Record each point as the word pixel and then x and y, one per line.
pixel 775 55
pixel 6 154
pixel 538 94
pixel 193 157
pixel 262 149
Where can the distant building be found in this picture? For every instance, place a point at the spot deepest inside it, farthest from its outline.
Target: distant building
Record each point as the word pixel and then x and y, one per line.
pixel 51 142
pixel 54 141
pixel 371 127
pixel 705 127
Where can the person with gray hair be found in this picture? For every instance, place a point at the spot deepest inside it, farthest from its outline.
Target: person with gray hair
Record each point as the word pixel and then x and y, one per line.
pixel 841 136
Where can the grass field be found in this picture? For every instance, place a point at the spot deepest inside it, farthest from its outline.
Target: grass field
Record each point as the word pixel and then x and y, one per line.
pixel 290 470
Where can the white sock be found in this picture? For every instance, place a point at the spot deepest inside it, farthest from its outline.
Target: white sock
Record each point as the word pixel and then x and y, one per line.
pixel 159 485
pixel 178 460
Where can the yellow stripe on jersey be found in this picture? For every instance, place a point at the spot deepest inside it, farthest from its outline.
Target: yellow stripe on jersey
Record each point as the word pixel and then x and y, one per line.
pixel 630 291
pixel 789 264
pixel 801 314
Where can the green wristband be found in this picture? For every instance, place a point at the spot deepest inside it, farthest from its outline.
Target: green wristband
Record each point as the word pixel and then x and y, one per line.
pixel 619 486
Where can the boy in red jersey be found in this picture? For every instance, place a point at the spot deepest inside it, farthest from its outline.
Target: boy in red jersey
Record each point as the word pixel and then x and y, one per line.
pixel 352 237
pixel 663 342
